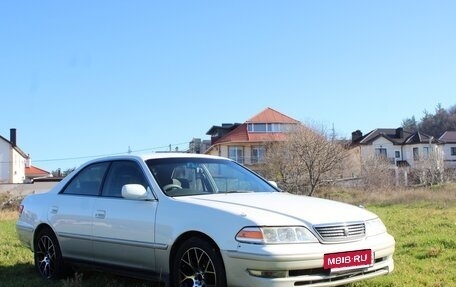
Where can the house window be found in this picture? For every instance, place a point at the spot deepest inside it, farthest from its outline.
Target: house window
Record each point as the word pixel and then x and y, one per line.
pixel 259 128
pixel 426 151
pixel 268 127
pixel 453 151
pixel 381 152
pixel 416 155
pixel 397 154
pixel 258 154
pixel 236 153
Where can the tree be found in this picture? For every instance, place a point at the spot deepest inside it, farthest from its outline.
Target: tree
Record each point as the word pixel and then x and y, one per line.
pixel 410 124
pixel 59 173
pixel 429 168
pixel 376 172
pixel 433 124
pixel 305 160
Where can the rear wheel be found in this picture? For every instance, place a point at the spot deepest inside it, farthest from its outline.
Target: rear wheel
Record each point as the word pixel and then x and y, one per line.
pixel 198 264
pixel 48 257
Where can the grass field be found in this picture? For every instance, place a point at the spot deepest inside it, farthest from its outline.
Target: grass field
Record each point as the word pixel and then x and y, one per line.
pixel 423 223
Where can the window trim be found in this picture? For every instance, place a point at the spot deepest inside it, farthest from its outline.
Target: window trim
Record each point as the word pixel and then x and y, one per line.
pixel 453 150
pixel 260 157
pixel 108 173
pixel 381 152
pixel 268 127
pixel 76 176
pixel 416 153
pixel 239 159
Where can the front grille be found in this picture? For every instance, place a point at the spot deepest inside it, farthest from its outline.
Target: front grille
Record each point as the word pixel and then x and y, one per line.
pixel 341 232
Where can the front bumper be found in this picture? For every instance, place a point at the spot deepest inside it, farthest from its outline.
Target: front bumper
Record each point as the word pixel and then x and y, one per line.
pixel 302 264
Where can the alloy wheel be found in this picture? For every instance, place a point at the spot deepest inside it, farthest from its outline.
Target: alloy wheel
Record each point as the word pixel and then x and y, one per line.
pixel 197 269
pixel 46 256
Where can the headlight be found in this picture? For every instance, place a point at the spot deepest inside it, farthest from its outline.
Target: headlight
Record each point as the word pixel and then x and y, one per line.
pixel 275 235
pixel 375 227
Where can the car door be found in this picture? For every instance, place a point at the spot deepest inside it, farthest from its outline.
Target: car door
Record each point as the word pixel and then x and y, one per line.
pixel 71 215
pixel 123 229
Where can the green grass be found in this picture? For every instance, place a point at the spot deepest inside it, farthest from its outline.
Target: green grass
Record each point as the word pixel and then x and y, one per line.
pixel 425 236
pixel 424 229
pixel 17 269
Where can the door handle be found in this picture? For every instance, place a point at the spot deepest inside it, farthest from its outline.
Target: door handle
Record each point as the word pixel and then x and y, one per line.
pixel 100 214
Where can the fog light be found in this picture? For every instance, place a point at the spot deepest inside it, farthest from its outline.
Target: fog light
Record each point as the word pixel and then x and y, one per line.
pixel 268 273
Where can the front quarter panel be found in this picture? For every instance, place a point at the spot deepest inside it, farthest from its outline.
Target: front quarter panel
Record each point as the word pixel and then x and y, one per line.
pixel 175 218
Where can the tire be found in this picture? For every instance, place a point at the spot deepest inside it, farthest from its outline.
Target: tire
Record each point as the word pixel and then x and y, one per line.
pixel 48 256
pixel 197 263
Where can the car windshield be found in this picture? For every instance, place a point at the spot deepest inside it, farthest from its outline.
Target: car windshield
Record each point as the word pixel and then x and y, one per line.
pixel 193 176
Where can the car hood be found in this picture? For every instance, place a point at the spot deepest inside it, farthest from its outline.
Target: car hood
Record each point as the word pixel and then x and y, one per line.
pixel 279 208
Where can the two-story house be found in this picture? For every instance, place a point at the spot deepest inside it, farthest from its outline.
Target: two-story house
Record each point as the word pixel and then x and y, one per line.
pixel 12 160
pixel 448 141
pixel 246 143
pixel 15 165
pixel 400 147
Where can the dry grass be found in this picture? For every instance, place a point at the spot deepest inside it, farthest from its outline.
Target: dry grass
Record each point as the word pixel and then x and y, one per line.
pixel 443 195
pixel 421 219
pixel 8 215
pixel 9 202
pixel 8 206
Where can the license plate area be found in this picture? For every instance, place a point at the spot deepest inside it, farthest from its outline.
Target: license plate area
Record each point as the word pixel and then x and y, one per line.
pixel 349 260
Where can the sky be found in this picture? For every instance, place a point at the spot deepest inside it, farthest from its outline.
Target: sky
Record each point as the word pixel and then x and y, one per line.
pixel 82 79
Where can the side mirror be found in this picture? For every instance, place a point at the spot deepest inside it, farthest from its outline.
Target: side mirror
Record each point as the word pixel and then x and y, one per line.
pixel 135 191
pixel 273 183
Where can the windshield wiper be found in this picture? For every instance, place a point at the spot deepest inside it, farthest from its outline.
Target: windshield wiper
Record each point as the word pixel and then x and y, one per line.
pixel 238 191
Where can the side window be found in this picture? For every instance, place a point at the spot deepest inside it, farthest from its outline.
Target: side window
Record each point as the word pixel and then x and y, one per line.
pixel 88 181
pixel 121 173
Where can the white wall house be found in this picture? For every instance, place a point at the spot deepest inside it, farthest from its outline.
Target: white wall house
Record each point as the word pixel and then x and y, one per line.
pixel 12 160
pixel 399 147
pixel 382 147
pixel 448 141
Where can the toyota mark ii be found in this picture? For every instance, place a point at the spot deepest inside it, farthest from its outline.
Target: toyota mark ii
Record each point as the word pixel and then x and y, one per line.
pixel 195 220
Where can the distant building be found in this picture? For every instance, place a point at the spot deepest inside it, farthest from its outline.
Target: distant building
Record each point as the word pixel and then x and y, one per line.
pixel 15 165
pixel 246 143
pixel 400 147
pixel 197 145
pixel 448 141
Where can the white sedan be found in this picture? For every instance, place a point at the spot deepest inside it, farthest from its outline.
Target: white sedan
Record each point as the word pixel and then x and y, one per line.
pixel 194 220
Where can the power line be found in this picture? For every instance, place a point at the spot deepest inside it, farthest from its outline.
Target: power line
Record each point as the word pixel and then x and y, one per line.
pixel 103 155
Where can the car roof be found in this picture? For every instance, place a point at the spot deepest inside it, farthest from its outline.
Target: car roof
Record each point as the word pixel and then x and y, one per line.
pixel 159 155
pixel 178 155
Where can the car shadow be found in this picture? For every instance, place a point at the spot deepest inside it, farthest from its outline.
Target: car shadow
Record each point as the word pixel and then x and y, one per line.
pixel 24 274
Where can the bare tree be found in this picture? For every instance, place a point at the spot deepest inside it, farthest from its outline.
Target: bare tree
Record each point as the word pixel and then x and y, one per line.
pixel 308 158
pixel 376 172
pixel 280 166
pixel 429 168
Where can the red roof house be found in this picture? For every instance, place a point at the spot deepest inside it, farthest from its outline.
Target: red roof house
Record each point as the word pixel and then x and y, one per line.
pixel 246 143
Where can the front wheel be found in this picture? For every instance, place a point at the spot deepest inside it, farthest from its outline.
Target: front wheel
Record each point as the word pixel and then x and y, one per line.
pixel 198 264
pixel 48 257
